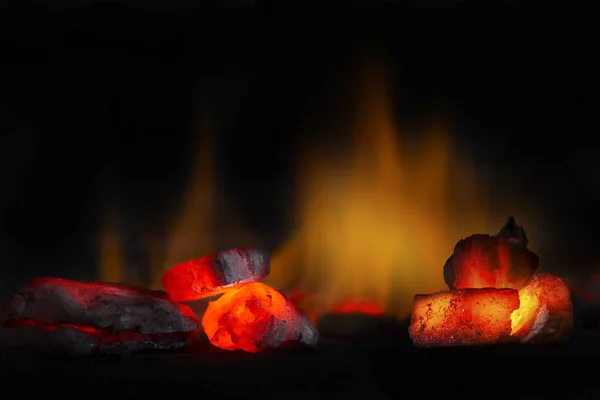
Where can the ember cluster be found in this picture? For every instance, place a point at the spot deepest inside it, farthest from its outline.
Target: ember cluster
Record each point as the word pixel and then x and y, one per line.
pixel 495 296
pixel 83 318
pixel 249 315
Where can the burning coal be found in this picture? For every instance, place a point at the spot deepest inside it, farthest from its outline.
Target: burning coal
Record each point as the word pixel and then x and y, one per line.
pixel 82 318
pixel 494 296
pixel 215 273
pixel 248 316
pixel 463 316
pixel 256 317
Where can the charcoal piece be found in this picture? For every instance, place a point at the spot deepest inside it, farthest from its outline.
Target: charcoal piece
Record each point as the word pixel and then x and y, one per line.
pixel 95 317
pixel 256 317
pixel 546 312
pixel 463 317
pixel 214 273
pixel 500 261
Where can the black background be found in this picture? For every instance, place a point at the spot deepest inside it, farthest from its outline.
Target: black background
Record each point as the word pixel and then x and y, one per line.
pixel 100 100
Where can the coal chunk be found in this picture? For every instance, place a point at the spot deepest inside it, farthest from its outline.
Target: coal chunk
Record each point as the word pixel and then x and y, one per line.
pixel 257 317
pixel 214 273
pixel 83 318
pixel 500 261
pixel 546 312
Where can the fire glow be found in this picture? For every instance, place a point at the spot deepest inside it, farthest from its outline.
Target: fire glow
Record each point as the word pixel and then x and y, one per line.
pixel 248 315
pixel 539 311
pixel 376 216
pixel 376 222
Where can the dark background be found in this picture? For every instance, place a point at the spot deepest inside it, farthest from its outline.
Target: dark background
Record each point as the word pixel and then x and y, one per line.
pixel 100 101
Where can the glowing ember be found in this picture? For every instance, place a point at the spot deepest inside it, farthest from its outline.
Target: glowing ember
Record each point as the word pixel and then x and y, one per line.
pixel 546 312
pixel 358 307
pixel 92 317
pixel 463 317
pixel 542 314
pixel 32 322
pixel 215 273
pixel 256 317
pixel 500 261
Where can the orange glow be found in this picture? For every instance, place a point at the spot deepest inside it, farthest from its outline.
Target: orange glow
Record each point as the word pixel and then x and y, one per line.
pixel 527 312
pixel 191 281
pixel 546 312
pixel 215 273
pixel 482 261
pixel 187 233
pixel 190 228
pixel 358 307
pixel 31 322
pixel 241 318
pixel 378 224
pixel 190 232
pixel 111 248
pixel 541 312
pixel 463 317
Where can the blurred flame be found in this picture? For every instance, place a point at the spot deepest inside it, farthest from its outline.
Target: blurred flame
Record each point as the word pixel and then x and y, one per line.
pixel 190 235
pixel 374 231
pixel 187 236
pixel 193 232
pixel 111 248
pixel 381 228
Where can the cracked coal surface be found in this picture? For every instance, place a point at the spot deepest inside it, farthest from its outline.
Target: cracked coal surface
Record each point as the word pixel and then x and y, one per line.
pixel 371 362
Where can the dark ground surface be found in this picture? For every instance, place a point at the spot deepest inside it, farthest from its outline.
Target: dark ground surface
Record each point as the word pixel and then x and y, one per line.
pixel 377 362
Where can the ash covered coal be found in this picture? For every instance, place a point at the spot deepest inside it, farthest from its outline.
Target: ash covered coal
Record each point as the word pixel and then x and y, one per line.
pixel 214 273
pixel 82 318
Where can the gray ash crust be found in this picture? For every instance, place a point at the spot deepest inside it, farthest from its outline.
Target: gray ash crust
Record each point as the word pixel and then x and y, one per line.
pixel 239 265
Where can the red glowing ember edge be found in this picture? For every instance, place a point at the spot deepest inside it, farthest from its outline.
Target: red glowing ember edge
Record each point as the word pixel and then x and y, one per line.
pixel 256 317
pixel 546 312
pixel 94 317
pixel 364 307
pixel 499 261
pixel 215 273
pixel 81 340
pixel 463 317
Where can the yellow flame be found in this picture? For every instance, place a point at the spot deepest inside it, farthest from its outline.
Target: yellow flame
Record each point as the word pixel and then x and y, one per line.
pixel 111 248
pixel 189 235
pixel 382 228
pixel 193 230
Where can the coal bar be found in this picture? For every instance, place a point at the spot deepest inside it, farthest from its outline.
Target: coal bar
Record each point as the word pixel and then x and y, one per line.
pixel 463 317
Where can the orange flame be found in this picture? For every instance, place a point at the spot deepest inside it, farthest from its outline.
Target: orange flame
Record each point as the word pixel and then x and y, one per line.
pixel 380 228
pixel 111 248
pixel 192 232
